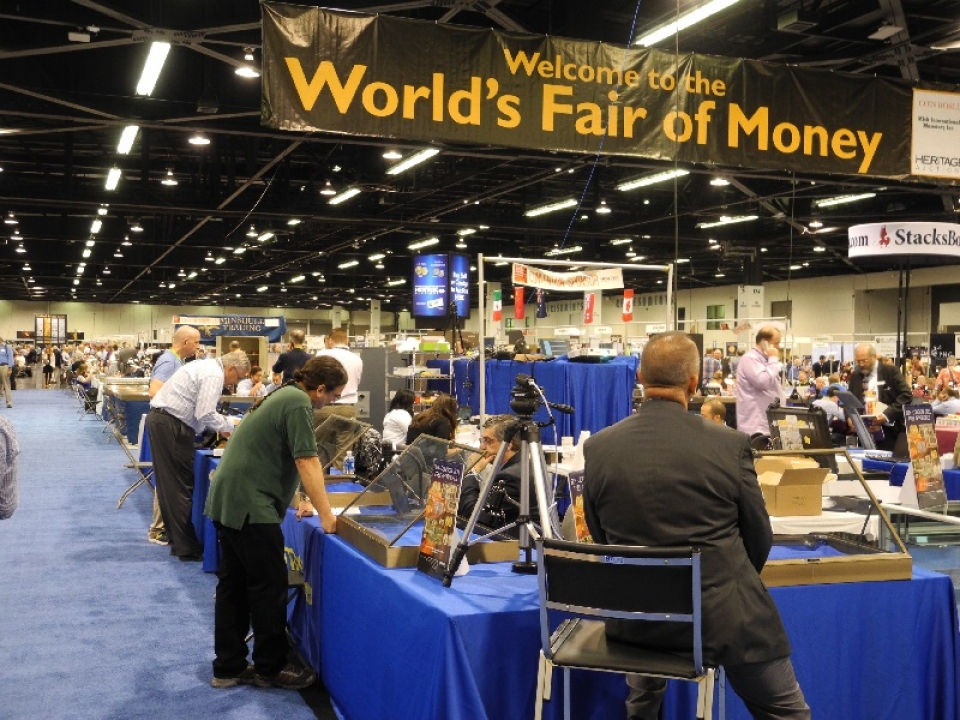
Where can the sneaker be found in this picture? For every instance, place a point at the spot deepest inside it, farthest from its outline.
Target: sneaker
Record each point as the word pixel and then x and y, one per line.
pixel 246 677
pixel 291 677
pixel 159 538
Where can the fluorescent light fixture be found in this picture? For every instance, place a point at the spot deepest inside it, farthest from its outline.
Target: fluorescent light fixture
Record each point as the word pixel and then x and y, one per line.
pixel 262 288
pixel 815 224
pixel 95 226
pixel 86 252
pixel 501 263
pixel 720 275
pixel 683 260
pixel 551 207
pixel 651 179
pixel 392 154
pixel 240 250
pixel 719 182
pixel 564 251
pixel 113 178
pixel 169 180
pixel 192 275
pixel 293 222
pixel 102 210
pixel 348 264
pixel 171 285
pixel 426 242
pixel 465 232
pixel 728 220
pixel 843 199
pixel 152 67
pixel 884 32
pixel 796 267
pixel 638 258
pixel 220 260
pixel 691 17
pixel 621 241
pixel 76 281
pixel 90 243
pixel 415 159
pixel 263 237
pixel 819 248
pixel 398 281
pixel 376 256
pixel 297 278
pixel 344 196
pixel 127 138
pixel 328 189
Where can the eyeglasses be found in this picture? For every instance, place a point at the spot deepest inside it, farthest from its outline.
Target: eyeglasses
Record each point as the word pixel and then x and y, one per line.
pixel 488 441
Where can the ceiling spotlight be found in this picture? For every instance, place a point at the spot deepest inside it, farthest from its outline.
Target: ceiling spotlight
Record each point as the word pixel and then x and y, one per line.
pixel 209 257
pixel 16 237
pixel 392 154
pixel 379 265
pixel 169 180
pixel 398 281
pixel 248 69
pixel 118 253
pixel 10 219
pixel 328 189
pixel 76 281
pixel 297 278
pixel 20 248
pixel 603 208
pixel 26 267
pixel 199 139
pixel 719 182
pixel 461 244
pixel 113 178
pixel 106 270
pixel 126 241
pixel 102 210
pixel 819 248
pixel 412 160
pixel 135 227
pixel 252 232
pixel 86 252
pixel 815 224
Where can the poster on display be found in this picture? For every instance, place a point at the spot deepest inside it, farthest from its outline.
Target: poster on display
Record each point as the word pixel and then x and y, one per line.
pixel 439 524
pixel 899 240
pixel 213 326
pixel 923 486
pixel 367 74
pixel 590 309
pixel 604 279
pixel 441 281
pixel 935 137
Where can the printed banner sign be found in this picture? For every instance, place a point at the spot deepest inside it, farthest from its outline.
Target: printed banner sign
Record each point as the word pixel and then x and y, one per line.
pixel 602 279
pixel 924 457
pixel 879 240
pixel 213 326
pixel 589 306
pixel 518 309
pixel 439 523
pixel 383 76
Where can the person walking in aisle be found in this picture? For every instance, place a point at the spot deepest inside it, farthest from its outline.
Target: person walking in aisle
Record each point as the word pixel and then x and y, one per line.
pixel 273 450
pixel 186 340
pixel 758 383
pixel 7 366
pixel 185 406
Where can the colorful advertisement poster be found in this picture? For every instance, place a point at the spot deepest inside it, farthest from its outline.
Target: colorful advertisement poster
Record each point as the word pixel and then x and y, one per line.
pixel 439 523
pixel 924 457
pixel 439 281
pixel 575 481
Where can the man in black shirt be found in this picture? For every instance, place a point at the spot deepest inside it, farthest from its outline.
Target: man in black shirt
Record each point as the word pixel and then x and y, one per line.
pixel 294 358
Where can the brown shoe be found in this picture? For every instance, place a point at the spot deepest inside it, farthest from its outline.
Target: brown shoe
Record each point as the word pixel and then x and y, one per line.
pixel 246 677
pixel 291 677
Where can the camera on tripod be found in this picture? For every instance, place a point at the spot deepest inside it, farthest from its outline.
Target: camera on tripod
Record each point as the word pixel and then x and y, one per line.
pixel 524 397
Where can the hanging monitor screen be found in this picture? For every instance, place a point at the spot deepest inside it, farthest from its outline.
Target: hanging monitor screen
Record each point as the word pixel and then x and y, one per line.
pixel 441 281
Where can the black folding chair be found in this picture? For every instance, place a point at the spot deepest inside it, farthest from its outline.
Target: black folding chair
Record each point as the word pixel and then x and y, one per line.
pixel 593 583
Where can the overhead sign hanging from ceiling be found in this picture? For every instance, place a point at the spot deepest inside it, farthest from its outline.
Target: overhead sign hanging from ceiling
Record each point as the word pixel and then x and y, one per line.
pixel 383 76
pixel 897 240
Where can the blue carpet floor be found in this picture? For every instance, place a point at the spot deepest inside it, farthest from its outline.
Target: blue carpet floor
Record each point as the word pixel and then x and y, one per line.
pixel 95 622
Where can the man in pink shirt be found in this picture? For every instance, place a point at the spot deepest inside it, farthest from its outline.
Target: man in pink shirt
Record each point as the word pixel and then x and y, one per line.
pixel 758 382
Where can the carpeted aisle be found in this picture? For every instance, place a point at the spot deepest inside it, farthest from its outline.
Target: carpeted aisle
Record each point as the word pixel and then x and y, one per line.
pixel 95 622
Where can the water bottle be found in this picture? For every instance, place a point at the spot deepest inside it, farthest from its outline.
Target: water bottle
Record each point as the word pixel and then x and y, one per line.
pixel 349 464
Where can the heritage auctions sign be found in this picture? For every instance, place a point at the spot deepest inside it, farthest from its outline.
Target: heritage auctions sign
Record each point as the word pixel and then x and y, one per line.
pixel 376 75
pixel 898 239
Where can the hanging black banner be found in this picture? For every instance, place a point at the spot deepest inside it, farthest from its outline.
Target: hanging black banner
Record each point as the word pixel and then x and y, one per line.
pixel 383 76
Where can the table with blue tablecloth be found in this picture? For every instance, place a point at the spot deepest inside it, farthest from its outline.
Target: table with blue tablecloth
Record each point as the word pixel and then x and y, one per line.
pixel 396 644
pixel 951 478
pixel 601 393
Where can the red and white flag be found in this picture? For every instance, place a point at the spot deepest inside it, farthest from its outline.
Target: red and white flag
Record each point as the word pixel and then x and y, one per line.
pixel 627 305
pixel 518 303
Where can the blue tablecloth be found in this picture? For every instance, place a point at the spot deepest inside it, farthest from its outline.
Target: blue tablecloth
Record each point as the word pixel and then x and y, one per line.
pixel 396 644
pixel 601 393
pixel 951 478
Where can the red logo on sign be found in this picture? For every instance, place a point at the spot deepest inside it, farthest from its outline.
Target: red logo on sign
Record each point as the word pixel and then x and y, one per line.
pixel 884 238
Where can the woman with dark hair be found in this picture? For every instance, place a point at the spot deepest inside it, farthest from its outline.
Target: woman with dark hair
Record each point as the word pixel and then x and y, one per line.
pixel 272 451
pixel 439 420
pixel 397 420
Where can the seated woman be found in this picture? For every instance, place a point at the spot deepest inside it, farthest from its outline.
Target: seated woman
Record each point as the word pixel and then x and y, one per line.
pixel 84 377
pixel 252 386
pixel 439 420
pixel 947 402
pixel 397 420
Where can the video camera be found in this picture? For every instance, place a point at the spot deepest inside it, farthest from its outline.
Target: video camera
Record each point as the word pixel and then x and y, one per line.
pixel 526 397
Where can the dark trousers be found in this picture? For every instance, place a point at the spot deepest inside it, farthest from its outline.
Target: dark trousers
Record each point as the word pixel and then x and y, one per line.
pixel 173 445
pixel 251 593
pixel 768 689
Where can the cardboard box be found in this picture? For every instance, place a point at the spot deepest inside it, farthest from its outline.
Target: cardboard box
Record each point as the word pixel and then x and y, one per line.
pixel 794 491
pixel 779 463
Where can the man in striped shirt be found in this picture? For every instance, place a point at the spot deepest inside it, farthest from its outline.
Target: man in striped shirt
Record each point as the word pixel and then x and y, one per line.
pixel 184 407
pixel 9 493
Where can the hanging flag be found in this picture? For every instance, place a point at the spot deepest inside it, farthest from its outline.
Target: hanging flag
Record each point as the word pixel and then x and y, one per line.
pixel 541 304
pixel 627 305
pixel 589 302
pixel 518 303
pixel 497 305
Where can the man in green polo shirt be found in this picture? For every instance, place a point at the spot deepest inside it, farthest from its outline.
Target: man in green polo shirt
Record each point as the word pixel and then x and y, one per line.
pixel 272 451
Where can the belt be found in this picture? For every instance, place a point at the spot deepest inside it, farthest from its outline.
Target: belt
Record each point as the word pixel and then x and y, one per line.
pixel 164 411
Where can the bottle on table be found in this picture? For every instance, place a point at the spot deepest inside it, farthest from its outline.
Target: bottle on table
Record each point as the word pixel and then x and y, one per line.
pixel 349 463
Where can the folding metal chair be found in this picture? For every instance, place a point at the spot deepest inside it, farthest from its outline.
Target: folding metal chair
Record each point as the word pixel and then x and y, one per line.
pixel 143 463
pixel 594 583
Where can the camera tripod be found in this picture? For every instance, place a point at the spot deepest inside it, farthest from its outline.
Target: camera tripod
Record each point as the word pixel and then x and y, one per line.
pixel 453 325
pixel 533 471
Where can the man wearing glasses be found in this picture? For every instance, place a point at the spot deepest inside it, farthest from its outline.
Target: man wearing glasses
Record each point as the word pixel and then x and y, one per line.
pixel 884 383
pixel 186 340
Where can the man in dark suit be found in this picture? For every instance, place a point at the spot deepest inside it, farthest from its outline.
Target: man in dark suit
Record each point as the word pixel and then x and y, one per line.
pixel 890 388
pixel 665 477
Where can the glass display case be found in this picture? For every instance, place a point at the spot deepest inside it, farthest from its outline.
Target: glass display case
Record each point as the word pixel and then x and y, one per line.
pixel 851 538
pixel 385 522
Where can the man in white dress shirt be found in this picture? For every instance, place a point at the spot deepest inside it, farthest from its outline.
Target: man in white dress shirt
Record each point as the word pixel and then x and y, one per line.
pixel 338 348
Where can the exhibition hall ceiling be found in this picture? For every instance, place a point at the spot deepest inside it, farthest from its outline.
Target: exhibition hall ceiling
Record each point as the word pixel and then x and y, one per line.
pixel 243 219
